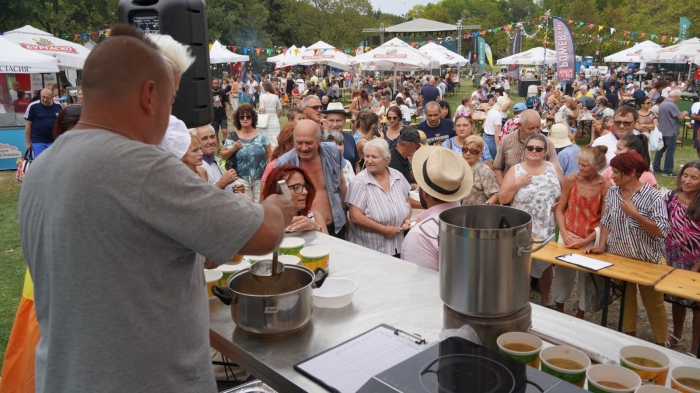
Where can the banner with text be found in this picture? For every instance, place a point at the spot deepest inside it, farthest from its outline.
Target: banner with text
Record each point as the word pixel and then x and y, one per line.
pixel 683 28
pixel 482 53
pixel 565 52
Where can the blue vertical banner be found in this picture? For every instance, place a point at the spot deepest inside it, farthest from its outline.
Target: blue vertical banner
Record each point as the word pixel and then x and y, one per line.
pixel 683 28
pixel 565 52
pixel 482 52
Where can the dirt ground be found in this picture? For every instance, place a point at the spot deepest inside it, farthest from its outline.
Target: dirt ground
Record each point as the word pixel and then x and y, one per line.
pixel 643 328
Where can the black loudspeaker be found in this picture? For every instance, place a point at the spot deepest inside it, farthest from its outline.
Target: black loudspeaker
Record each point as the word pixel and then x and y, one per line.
pixel 186 22
pixel 375 40
pixel 523 84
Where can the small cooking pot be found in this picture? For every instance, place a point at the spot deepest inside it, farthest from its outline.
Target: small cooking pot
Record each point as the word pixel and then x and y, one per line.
pixel 274 309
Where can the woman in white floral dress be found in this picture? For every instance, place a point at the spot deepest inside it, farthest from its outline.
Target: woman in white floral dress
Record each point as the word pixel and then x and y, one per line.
pixel 534 186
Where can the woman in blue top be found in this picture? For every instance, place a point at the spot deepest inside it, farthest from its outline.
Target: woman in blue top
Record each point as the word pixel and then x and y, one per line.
pixel 252 149
pixel 464 126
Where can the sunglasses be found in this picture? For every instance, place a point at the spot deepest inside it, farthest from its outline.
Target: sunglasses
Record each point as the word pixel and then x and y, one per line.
pixel 315 107
pixel 298 187
pixel 622 123
pixel 470 151
pixel 463 114
pixel 538 149
pixel 392 118
pixel 245 117
pixel 647 103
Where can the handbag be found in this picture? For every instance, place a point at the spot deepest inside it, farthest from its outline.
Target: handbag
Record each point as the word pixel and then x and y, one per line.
pixel 263 119
pixel 656 140
pixel 232 162
pixel 23 164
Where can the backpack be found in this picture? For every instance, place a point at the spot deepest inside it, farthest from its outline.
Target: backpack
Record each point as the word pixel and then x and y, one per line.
pixel 533 102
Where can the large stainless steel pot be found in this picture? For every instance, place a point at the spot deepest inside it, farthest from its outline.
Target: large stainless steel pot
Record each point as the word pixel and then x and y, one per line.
pixel 274 309
pixel 485 259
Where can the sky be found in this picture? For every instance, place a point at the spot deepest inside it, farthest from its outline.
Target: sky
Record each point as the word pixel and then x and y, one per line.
pixel 397 7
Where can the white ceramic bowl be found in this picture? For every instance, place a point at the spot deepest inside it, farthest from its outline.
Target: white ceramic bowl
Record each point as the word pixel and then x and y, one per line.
pixel 335 293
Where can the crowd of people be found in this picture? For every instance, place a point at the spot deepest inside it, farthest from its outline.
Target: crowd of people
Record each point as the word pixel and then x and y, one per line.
pixel 360 185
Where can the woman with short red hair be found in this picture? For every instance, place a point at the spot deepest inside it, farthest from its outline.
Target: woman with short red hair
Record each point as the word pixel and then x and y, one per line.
pixel 634 226
pixel 303 193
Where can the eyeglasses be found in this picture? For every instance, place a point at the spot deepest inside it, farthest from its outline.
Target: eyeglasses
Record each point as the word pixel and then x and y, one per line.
pixel 392 118
pixel 463 114
pixel 298 187
pixel 622 123
pixel 245 117
pixel 470 151
pixel 315 107
pixel 538 149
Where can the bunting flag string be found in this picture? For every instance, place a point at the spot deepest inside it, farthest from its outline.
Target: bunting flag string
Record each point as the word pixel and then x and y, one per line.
pixel 536 25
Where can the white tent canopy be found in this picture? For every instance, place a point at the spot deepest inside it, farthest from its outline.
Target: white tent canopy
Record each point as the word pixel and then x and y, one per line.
pixel 420 25
pixel 318 53
pixel 633 54
pixel 68 54
pixel 321 45
pixel 534 56
pixel 682 52
pixel 282 56
pixel 219 54
pixel 396 55
pixel 18 60
pixel 443 55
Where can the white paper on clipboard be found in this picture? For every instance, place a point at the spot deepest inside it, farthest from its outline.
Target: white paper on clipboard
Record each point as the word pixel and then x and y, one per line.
pixel 348 366
pixel 580 260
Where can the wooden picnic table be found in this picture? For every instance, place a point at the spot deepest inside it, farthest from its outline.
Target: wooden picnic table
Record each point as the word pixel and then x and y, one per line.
pixel 681 283
pixel 623 269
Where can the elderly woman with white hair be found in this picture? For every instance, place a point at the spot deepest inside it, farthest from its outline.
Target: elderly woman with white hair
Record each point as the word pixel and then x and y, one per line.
pixel 493 124
pixel 378 202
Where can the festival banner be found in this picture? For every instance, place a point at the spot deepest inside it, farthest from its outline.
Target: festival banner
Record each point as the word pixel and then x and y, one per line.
pixel 515 49
pixel 482 53
pixel 683 28
pixel 565 51
pixel 489 55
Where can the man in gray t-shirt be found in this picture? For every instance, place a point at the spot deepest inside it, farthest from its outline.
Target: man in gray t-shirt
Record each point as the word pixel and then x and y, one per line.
pixel 669 120
pixel 111 225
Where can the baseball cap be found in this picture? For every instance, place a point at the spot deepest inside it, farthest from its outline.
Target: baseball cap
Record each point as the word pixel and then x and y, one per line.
pixel 519 107
pixel 410 134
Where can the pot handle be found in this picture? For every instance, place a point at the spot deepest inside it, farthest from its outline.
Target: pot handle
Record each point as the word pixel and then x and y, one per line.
pixel 318 281
pixel 222 294
pixel 521 248
pixel 420 226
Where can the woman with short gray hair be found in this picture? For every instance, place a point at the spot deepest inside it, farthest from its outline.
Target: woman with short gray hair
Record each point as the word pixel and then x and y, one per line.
pixel 378 202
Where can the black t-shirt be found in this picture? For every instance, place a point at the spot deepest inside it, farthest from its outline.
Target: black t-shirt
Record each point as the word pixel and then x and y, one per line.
pixel 219 100
pixel 443 132
pixel 429 93
pixel 401 164
pixel 611 91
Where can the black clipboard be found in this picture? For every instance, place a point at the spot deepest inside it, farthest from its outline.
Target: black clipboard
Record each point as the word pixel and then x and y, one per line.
pixel 323 379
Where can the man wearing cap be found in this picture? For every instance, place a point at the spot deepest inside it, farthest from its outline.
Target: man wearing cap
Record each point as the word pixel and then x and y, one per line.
pixel 409 142
pixel 513 125
pixel 512 147
pixel 335 121
pixel 439 190
pixel 567 151
pixel 436 129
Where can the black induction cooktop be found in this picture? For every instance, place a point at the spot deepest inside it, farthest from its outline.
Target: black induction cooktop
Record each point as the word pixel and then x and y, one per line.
pixel 458 365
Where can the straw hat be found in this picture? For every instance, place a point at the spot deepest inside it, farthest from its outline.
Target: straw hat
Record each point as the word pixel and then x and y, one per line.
pixel 559 135
pixel 336 107
pixel 442 173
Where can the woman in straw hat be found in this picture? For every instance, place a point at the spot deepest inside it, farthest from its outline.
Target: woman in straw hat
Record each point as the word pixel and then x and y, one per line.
pixel 439 190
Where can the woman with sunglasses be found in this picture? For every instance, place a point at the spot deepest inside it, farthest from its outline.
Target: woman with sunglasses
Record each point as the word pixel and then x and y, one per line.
pixel 485 188
pixel 646 119
pixel 303 193
pixel 252 149
pixel 391 134
pixel 534 186
pixel 464 127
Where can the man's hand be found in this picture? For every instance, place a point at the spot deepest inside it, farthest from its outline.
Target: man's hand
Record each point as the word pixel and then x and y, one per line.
pixel 228 177
pixel 286 207
pixel 28 145
pixel 239 189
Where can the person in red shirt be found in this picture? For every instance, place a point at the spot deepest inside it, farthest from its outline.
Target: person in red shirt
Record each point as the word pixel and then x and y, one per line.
pixel 21 103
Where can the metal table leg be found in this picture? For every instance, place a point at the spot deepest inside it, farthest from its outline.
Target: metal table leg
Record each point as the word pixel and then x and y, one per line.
pixel 606 298
pixel 622 306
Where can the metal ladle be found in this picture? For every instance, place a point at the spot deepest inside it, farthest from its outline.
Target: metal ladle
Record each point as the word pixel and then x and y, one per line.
pixel 269 271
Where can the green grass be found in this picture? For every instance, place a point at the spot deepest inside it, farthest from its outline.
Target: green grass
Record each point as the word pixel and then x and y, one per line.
pixel 12 266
